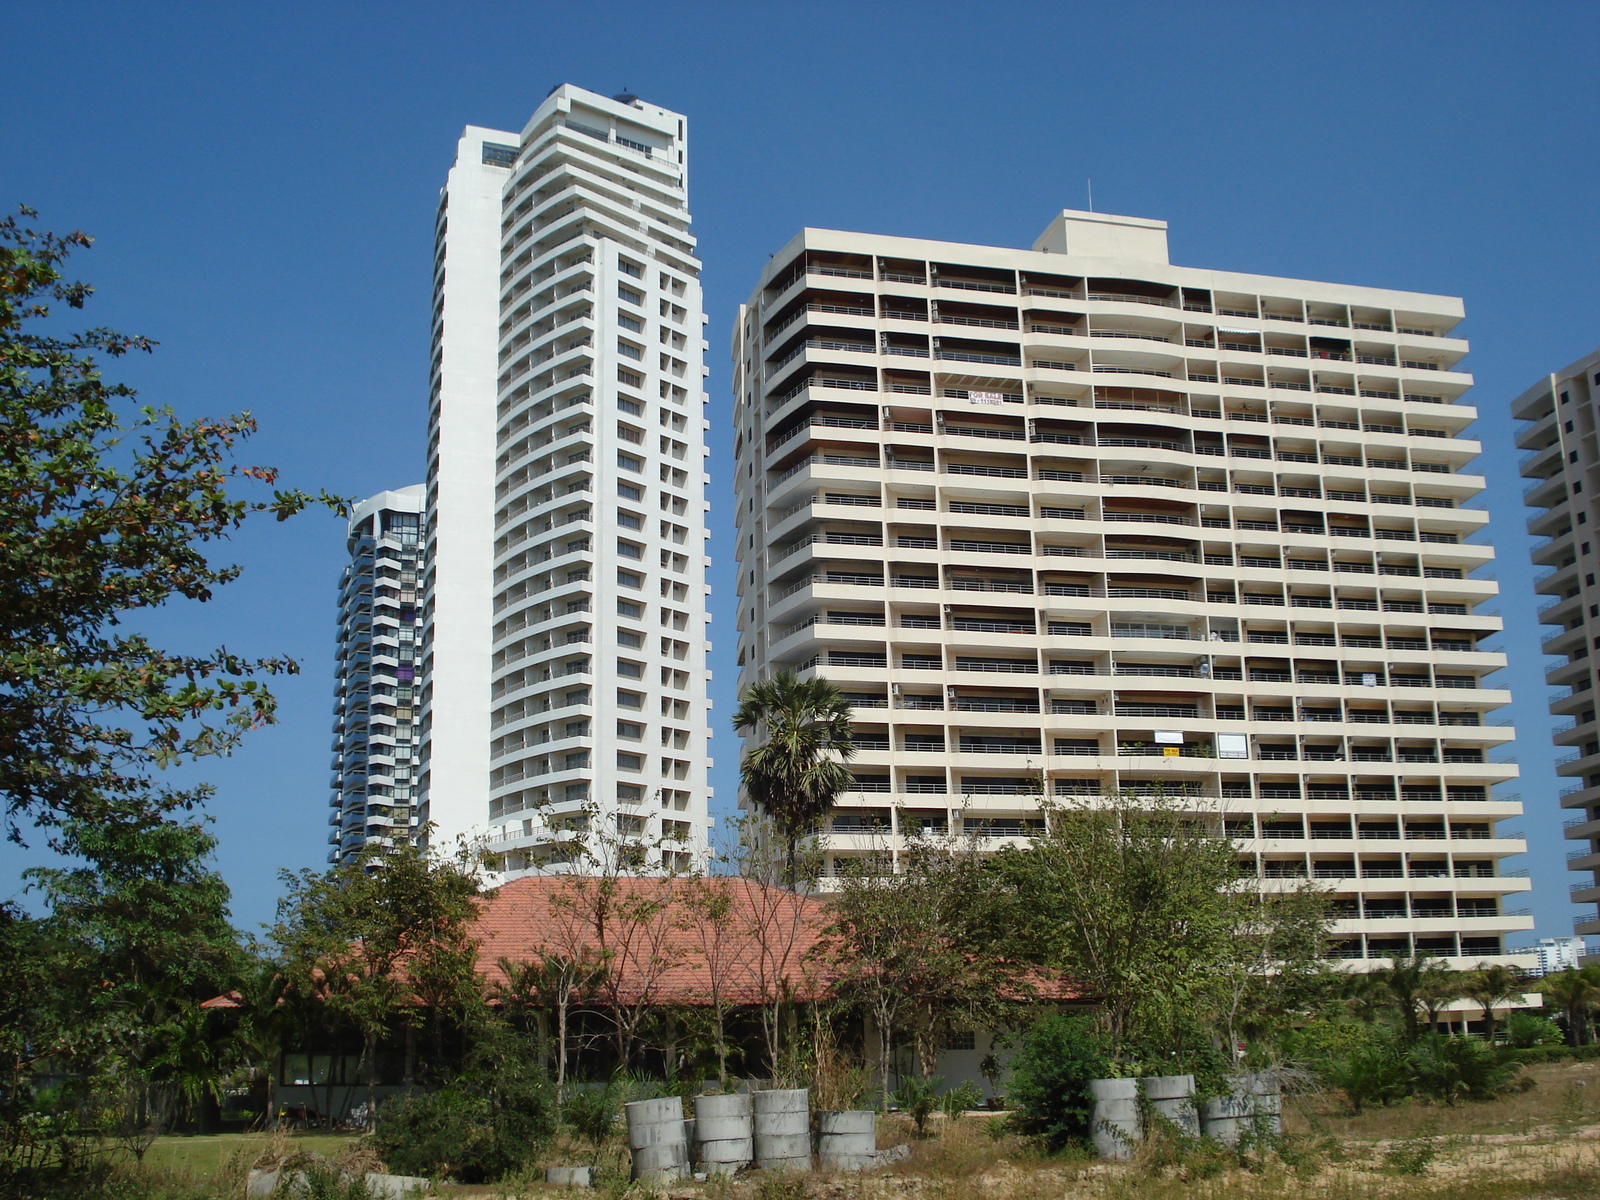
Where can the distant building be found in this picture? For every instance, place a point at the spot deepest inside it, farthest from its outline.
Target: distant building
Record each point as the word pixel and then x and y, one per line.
pixel 1564 461
pixel 374 707
pixel 1557 954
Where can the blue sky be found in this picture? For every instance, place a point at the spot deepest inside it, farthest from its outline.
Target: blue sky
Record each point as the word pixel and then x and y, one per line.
pixel 261 183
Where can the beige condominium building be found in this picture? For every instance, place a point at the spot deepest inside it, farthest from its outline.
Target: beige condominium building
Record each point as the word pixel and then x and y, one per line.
pixel 1563 459
pixel 1072 519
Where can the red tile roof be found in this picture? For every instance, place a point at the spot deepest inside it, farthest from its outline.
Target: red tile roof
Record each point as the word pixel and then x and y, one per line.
pixel 656 938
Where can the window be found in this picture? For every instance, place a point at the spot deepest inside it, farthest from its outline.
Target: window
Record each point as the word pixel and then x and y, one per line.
pixel 631 378
pixel 628 268
pixel 630 670
pixel 628 294
pixel 630 730
pixel 629 699
pixel 630 793
pixel 578 760
pixel 628 492
pixel 629 550
pixel 630 406
pixel 626 637
pixel 628 322
pixel 629 520
pixel 629 350
pixel 629 762
pixel 627 608
pixel 629 463
pixel 496 154
pixel 628 579
pixel 958 1039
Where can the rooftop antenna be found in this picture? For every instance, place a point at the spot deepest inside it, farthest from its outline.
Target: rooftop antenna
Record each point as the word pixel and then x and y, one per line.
pixel 1090 183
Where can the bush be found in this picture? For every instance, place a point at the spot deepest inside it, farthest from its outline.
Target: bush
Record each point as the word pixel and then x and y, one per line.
pixel 1050 1079
pixel 959 1099
pixel 1525 1030
pixel 1454 1068
pixel 490 1123
pixel 917 1097
pixel 1545 1054
pixel 1374 1071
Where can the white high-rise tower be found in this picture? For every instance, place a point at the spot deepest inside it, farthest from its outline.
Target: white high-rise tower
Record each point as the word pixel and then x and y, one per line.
pixel 564 606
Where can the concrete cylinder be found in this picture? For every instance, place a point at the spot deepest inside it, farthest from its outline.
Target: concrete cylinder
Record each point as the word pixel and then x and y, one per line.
pixel 1225 1118
pixel 567 1176
pixel 847 1140
pixel 1266 1094
pixel 1116 1123
pixel 1172 1097
pixel 723 1134
pixel 656 1139
pixel 781 1121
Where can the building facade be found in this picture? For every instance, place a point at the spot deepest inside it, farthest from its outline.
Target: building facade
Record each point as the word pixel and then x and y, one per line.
pixel 564 682
pixel 1557 954
pixel 374 710
pixel 1563 459
pixel 1072 519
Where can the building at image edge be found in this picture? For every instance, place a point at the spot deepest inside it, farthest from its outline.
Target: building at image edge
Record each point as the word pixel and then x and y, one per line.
pixel 1563 459
pixel 1075 519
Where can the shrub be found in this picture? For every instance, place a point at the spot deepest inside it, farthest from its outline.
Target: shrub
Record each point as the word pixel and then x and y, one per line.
pixel 918 1096
pixel 1454 1068
pixel 1050 1079
pixel 488 1124
pixel 1374 1071
pixel 959 1099
pixel 591 1113
pixel 1525 1030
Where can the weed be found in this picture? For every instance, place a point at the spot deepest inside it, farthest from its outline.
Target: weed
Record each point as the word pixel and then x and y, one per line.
pixel 780 1185
pixel 1413 1156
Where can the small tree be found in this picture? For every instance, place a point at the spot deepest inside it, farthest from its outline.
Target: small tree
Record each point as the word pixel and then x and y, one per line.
pixel 1575 990
pixel 1134 897
pixel 1492 984
pixel 1412 983
pixel 348 941
pixel 797 771
pixel 905 947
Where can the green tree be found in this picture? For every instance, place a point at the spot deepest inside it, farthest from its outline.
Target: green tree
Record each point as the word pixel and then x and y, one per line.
pixel 107 512
pixel 797 771
pixel 1050 1076
pixel 1492 984
pixel 382 942
pixel 1575 991
pixel 145 921
pixel 906 948
pixel 1411 984
pixel 1137 900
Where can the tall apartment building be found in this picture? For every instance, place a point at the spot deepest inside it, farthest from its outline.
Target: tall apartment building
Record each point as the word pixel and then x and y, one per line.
pixel 1563 458
pixel 374 714
pixel 564 612
pixel 1072 519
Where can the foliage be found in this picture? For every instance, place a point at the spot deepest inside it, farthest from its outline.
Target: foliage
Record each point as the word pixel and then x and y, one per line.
pixel 1525 1030
pixel 1576 991
pixel 1490 985
pixel 489 1123
pixel 960 1099
pixel 908 949
pixel 1050 1077
pixel 1452 1068
pixel 366 939
pixel 1136 898
pixel 1413 1155
pixel 1372 1069
pixel 592 1114
pixel 918 1097
pixel 106 515
pixel 798 770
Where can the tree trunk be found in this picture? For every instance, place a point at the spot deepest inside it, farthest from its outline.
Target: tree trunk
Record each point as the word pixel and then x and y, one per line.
pixel 369 1054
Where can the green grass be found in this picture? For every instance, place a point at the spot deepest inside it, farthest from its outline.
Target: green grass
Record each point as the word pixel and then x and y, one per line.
pixel 202 1155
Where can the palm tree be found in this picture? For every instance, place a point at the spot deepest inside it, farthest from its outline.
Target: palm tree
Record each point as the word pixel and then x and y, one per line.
pixel 1413 982
pixel 1490 984
pixel 798 770
pixel 1576 991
